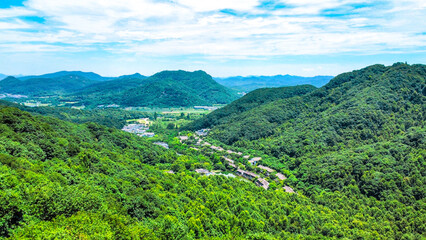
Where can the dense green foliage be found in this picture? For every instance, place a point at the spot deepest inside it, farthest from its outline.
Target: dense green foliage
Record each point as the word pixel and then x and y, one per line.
pixel 176 88
pixel 68 181
pixel 115 118
pixel 44 86
pixel 251 83
pixel 365 130
pixel 96 93
pixel 251 100
pixel 88 75
pixel 355 151
pixel 164 89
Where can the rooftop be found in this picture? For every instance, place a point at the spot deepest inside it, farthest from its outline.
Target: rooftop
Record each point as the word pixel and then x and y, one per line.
pixel 266 168
pixel 288 189
pixel 280 176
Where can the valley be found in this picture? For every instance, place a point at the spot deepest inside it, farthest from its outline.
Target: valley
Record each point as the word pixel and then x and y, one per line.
pixel 344 160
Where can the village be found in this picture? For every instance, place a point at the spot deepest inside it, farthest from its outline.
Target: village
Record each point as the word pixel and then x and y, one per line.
pixel 139 128
pixel 227 155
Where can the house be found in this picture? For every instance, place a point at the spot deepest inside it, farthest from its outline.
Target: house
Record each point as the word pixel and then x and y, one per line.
pixel 203 171
pixel 254 160
pixel 269 170
pixel 228 160
pixel 262 183
pixel 183 138
pixel 202 132
pixel 163 144
pixel 240 172
pixel 288 189
pixel 232 165
pixel 280 176
pixel 250 175
pixel 217 148
pixel 147 134
pixel 246 157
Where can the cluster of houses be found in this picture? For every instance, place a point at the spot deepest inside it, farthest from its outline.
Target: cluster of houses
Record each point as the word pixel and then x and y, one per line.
pixel 261 182
pixel 138 129
pixel 202 132
pixel 109 106
pixel 206 108
pixel 162 144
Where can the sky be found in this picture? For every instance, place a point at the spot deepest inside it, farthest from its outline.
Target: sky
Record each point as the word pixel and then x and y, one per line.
pixel 221 37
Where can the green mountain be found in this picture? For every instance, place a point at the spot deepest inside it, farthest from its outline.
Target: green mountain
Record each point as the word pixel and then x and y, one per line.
pixel 252 100
pixel 177 89
pixel 60 180
pixel 365 129
pixel 88 75
pixel 112 117
pixel 251 83
pixel 44 86
pixel 164 89
pixel 98 91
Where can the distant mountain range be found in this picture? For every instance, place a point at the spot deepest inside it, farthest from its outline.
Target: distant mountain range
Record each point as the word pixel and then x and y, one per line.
pixel 164 89
pixel 251 83
pixel 2 76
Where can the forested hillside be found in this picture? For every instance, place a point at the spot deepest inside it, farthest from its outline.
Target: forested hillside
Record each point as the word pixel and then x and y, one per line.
pixel 115 118
pixel 60 180
pixel 251 83
pixel 164 89
pixel 177 88
pixel 251 100
pixel 365 130
pixel 44 86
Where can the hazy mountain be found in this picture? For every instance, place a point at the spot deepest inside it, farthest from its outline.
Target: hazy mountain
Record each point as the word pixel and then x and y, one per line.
pixel 88 75
pixel 45 86
pixel 163 89
pixel 251 83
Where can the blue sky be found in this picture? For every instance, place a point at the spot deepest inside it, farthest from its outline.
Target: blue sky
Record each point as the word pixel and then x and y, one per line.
pixel 222 37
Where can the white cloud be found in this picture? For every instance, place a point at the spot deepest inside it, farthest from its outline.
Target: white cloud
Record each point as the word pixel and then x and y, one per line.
pixel 185 27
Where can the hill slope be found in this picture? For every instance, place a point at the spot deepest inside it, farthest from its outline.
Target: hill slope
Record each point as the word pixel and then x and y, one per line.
pixel 251 83
pixel 88 75
pixel 176 88
pixel 365 128
pixel 252 100
pixel 66 181
pixel 44 86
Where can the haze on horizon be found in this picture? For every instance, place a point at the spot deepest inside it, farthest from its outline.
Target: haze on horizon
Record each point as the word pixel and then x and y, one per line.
pixel 222 37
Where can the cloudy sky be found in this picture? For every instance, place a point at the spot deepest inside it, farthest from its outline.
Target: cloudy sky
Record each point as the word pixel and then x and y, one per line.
pixel 222 37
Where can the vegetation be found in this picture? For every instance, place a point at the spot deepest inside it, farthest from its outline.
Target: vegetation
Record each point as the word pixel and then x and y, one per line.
pixel 177 88
pixel 251 100
pixel 115 118
pixel 44 86
pixel 164 89
pixel 247 84
pixel 353 150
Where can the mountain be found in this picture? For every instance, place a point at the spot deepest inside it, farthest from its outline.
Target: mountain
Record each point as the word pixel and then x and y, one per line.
pixel 99 90
pixel 61 180
pixel 251 83
pixel 251 100
pixel 364 129
pixel 167 89
pixel 44 86
pixel 115 118
pixel 2 76
pixel 87 75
